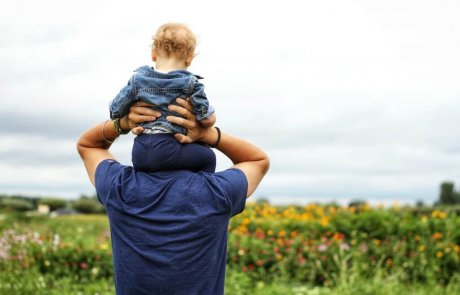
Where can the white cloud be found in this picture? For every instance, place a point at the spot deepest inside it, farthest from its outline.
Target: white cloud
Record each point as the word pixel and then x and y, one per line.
pixel 350 98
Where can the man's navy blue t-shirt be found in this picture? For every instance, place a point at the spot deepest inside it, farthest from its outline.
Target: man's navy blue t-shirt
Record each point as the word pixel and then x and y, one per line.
pixel 169 229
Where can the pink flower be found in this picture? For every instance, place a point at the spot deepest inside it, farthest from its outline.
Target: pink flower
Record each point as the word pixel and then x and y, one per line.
pixel 344 246
pixel 322 247
pixel 363 247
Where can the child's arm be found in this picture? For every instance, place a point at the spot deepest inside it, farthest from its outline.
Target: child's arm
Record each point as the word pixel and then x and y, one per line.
pixel 119 107
pixel 204 113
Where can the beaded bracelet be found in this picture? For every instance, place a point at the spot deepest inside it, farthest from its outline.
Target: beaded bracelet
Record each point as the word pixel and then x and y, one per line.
pixel 118 128
pixel 219 135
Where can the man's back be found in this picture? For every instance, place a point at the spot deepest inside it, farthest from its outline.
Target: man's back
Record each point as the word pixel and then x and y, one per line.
pixel 169 229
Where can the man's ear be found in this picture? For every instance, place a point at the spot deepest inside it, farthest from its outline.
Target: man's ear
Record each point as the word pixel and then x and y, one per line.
pixel 154 55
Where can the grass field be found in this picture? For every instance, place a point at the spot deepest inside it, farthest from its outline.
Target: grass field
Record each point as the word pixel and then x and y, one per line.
pixel 315 249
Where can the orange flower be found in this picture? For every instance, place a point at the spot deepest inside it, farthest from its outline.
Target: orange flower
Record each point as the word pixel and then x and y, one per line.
pixel 437 235
pixel 338 236
pixel 282 234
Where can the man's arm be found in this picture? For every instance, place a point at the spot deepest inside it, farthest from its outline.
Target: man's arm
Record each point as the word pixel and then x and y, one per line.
pixel 93 145
pixel 245 156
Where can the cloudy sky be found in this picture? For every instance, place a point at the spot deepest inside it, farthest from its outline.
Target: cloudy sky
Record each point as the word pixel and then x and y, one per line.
pixel 351 99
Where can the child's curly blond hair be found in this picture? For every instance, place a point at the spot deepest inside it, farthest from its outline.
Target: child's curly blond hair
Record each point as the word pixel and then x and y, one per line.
pixel 174 39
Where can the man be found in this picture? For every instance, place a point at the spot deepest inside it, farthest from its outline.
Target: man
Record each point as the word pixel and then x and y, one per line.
pixel 169 228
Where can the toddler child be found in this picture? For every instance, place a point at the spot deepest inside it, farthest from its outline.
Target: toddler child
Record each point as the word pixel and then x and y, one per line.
pixel 156 149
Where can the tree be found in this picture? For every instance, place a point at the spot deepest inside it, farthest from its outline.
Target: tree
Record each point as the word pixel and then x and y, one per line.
pixel 447 194
pixel 456 197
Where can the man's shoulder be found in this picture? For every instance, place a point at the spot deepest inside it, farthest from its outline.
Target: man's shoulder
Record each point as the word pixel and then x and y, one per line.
pixel 228 180
pixel 231 175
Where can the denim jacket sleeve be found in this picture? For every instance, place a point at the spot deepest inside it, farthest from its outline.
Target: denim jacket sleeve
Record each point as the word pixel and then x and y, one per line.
pixel 121 103
pixel 200 103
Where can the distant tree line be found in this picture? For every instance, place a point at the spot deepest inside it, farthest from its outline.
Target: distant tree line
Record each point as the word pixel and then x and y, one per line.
pixel 448 195
pixel 19 203
pixel 89 204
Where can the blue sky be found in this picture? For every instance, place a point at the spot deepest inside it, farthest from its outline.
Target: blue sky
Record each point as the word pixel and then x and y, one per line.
pixel 351 99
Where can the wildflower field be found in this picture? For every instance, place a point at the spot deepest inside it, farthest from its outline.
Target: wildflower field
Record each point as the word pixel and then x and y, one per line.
pixel 313 249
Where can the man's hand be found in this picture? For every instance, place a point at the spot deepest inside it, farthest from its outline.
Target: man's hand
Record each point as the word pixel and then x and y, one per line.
pixel 195 131
pixel 141 112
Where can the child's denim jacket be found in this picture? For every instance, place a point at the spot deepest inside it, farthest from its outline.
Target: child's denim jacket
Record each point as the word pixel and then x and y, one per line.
pixel 161 90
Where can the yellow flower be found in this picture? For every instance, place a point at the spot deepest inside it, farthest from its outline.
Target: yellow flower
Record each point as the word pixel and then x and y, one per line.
pixel 439 214
pixel 457 248
pixel 324 221
pixel 104 246
pixel 439 254
pixel 421 248
pixel 282 234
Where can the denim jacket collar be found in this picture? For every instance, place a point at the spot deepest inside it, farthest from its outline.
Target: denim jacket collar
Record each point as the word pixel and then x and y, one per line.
pixel 150 72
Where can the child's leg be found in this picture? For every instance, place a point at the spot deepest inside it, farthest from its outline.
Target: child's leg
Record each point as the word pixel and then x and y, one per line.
pixel 197 157
pixel 140 152
pixel 162 152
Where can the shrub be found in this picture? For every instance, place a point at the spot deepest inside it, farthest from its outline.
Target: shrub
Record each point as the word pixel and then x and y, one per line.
pixel 19 205
pixel 88 206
